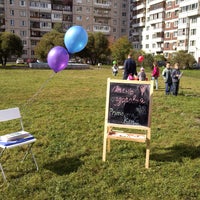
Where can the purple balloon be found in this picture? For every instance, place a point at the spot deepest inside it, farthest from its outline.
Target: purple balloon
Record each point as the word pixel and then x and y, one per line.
pixel 58 58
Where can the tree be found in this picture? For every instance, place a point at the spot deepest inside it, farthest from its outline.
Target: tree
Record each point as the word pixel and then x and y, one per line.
pixel 97 49
pixel 148 60
pixel 120 49
pixel 10 44
pixel 185 59
pixel 47 42
pixel 58 27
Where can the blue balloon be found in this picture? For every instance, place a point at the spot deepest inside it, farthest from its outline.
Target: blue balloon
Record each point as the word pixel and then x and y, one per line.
pixel 58 58
pixel 75 39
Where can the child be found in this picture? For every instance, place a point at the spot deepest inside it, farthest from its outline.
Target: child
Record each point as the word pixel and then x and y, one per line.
pixel 115 68
pixel 155 74
pixel 142 74
pixel 166 73
pixel 130 77
pixel 176 75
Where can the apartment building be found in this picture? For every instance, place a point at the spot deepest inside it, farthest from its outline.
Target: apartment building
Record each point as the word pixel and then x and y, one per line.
pixel 137 23
pixel 171 27
pixel 32 19
pixel 165 26
pixel 188 28
pixel 155 26
pixel 106 16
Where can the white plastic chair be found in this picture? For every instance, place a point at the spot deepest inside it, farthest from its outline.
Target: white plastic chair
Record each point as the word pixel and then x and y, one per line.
pixel 16 139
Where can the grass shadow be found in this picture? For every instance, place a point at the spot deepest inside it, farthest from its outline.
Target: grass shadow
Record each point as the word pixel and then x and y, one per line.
pixel 64 166
pixel 176 153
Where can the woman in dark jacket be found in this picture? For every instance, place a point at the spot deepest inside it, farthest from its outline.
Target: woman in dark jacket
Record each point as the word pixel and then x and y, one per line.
pixel 129 67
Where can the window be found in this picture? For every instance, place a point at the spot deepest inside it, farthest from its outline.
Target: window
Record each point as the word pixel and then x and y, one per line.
pixel 12 22
pixel 166 55
pixel 167 25
pixel 11 2
pixel 176 24
pixel 193 31
pixel 123 30
pixel 168 14
pixel 22 3
pixel 79 18
pixel 177 2
pixel 176 13
pixel 123 14
pixel 167 34
pixel 33 42
pixel 114 22
pixel 22 13
pixel 57 16
pixel 24 42
pixel 23 33
pixel 87 10
pixel 194 20
pixel 12 12
pixel 25 52
pixel 79 9
pixel 23 23
pixel 167 45
pixel 123 22
pixel 175 34
pixel 169 4
pixel 192 43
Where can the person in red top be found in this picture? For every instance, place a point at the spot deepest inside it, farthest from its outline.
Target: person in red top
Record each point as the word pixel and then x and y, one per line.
pixel 155 74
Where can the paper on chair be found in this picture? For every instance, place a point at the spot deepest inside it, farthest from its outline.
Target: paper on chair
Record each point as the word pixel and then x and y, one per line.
pixel 14 136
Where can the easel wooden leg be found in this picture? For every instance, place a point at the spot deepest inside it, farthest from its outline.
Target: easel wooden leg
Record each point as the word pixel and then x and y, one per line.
pixel 148 148
pixel 104 146
pixel 147 157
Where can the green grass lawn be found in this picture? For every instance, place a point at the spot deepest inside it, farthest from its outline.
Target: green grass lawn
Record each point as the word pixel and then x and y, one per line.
pixel 66 111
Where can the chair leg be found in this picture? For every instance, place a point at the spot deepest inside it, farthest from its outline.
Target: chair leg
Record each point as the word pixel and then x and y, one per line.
pixel 29 151
pixel 1 167
pixel 3 174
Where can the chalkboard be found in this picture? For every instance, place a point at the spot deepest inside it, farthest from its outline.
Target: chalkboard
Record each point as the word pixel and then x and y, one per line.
pixel 129 103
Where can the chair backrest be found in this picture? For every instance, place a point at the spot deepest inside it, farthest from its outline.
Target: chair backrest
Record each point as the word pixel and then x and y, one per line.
pixel 9 114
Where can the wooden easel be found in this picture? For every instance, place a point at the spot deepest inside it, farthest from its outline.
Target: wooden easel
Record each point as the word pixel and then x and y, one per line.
pixel 128 106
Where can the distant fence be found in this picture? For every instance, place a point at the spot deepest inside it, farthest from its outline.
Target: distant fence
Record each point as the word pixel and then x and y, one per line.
pixel 69 66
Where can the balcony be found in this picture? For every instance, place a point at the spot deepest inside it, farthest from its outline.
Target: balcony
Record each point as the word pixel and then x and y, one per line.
pixel 103 5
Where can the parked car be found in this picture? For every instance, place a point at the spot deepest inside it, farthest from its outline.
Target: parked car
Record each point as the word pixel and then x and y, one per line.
pixel 31 60
pixel 196 66
pixel 20 61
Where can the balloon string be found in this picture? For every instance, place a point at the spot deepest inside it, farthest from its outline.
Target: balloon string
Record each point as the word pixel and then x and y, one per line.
pixel 39 91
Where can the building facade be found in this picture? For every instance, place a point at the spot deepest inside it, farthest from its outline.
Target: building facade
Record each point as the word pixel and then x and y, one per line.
pixel 165 26
pixel 155 26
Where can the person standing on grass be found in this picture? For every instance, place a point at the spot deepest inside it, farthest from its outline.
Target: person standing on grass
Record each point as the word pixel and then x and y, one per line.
pixel 176 75
pixel 155 74
pixel 115 68
pixel 167 76
pixel 129 67
pixel 142 74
